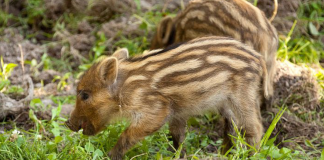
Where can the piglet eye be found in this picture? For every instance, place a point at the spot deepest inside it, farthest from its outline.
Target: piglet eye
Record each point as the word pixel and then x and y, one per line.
pixel 84 96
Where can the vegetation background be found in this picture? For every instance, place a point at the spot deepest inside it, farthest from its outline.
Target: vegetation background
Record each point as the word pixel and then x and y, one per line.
pixel 55 41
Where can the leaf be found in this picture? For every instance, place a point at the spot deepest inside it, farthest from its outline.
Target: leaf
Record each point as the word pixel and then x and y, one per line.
pixel 97 153
pixel 20 141
pixel 14 89
pixel 4 83
pixel 322 154
pixel 51 146
pixel 193 121
pixel 56 111
pixel 143 26
pixel 258 156
pixel 11 66
pixel 56 131
pixel 35 101
pixel 313 29
pixel 33 63
pixel 204 142
pixel 270 142
pixel 275 154
pixel 158 156
pixel 314 4
pixel 89 147
pixel 32 116
pixel 195 157
pixel 285 150
pixel 52 156
pixel 58 139
pixel 309 143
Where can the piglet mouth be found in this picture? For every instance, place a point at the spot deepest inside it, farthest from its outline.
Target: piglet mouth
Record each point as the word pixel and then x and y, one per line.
pixel 83 125
pixel 88 128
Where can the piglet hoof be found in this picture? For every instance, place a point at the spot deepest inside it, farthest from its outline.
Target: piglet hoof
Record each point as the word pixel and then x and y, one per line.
pixel 114 156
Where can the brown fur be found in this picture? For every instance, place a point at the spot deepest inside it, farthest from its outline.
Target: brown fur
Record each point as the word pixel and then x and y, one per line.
pixel 210 74
pixel 229 18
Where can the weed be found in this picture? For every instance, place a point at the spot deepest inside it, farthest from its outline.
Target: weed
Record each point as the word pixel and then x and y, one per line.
pixel 14 90
pixel 62 81
pixel 312 12
pixel 70 99
pixel 267 149
pixel 37 105
pixel 134 46
pixel 5 72
pixel 98 50
pixel 148 22
pixel 299 50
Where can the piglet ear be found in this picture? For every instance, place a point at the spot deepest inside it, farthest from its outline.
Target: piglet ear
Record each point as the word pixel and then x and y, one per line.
pixel 108 70
pixel 165 29
pixel 121 54
pixel 163 34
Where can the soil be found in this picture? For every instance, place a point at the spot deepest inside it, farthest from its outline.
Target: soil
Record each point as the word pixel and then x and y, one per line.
pixel 296 87
pixel 13 44
pixel 23 121
pixel 286 13
pixel 290 131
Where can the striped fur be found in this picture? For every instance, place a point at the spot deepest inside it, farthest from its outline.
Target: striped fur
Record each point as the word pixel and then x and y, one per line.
pixel 210 74
pixel 229 18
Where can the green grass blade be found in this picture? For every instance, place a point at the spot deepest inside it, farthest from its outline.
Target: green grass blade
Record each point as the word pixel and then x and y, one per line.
pixel 272 126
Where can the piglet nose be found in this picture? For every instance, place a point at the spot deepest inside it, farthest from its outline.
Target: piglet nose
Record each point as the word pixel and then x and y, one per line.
pixel 72 126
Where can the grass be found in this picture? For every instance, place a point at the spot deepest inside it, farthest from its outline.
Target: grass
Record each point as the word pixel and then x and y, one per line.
pixel 148 22
pixel 23 145
pixel 51 140
pixel 299 50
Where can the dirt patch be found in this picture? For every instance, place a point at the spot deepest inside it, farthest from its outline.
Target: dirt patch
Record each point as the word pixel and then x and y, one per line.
pixel 292 132
pixel 121 27
pixel 286 14
pixel 297 87
pixel 85 27
pixel 115 16
pixel 56 8
pixel 14 7
pixel 23 121
pixel 14 49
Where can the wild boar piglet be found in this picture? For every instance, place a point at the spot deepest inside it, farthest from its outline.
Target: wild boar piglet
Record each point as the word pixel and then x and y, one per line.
pixel 209 74
pixel 237 19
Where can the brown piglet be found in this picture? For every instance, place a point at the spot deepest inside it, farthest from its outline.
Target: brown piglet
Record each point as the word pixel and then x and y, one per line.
pixel 229 18
pixel 209 74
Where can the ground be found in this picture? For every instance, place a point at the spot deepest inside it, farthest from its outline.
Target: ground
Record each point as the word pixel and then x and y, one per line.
pixel 53 42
